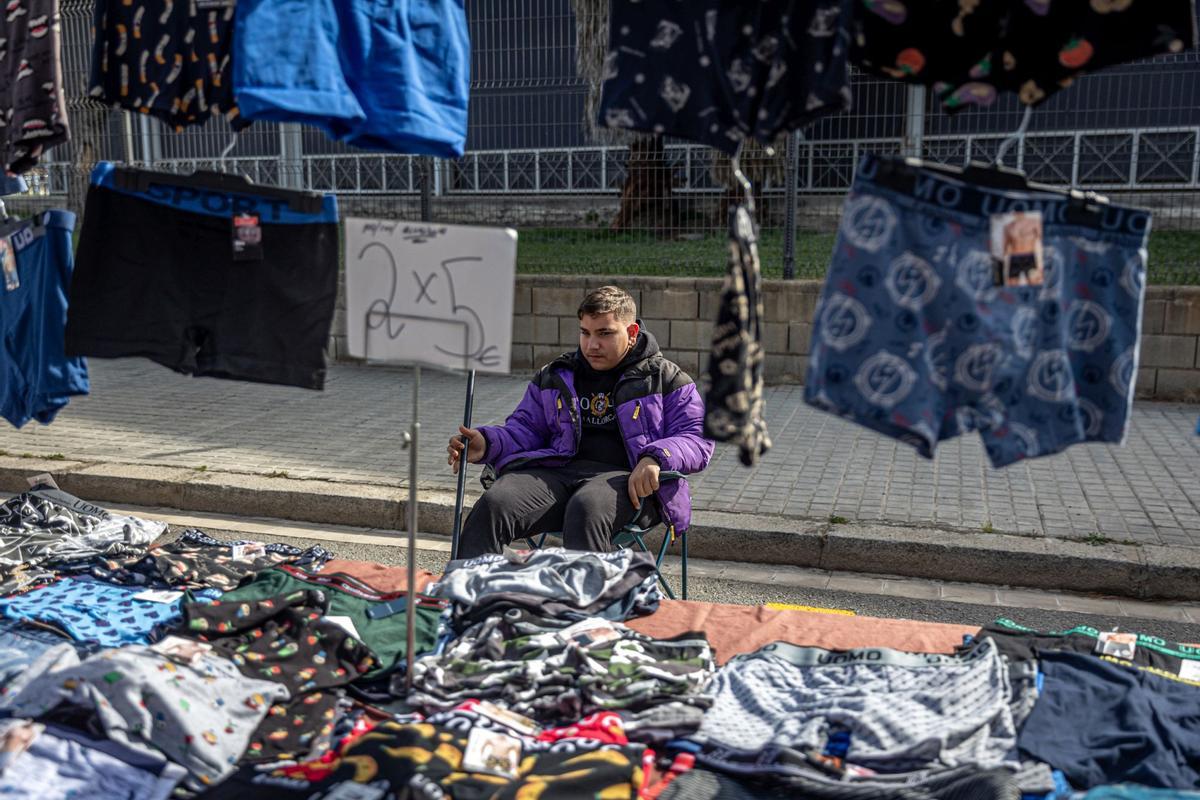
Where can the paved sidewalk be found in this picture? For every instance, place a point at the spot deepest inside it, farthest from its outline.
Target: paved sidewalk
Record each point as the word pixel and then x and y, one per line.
pixel 1147 492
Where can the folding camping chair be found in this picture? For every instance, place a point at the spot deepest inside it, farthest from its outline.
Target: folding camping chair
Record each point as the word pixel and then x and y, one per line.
pixel 644 521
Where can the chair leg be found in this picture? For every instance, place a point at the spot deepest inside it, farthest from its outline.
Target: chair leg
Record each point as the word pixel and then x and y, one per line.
pixel 683 536
pixel 662 552
pixel 541 540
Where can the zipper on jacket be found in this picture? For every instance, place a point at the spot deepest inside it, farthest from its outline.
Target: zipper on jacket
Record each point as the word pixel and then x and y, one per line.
pixel 576 425
pixel 637 409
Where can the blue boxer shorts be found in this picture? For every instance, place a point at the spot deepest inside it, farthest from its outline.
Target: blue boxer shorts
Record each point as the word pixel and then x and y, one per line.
pixel 918 335
pixel 36 377
pixel 388 75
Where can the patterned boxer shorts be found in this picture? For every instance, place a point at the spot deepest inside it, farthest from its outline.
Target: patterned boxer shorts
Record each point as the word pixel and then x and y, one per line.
pixel 933 323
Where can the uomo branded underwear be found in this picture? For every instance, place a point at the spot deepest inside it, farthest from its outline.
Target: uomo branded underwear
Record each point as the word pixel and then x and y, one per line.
pixel 952 308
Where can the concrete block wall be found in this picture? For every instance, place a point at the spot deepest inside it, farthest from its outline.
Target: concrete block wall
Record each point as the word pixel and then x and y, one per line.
pixel 1170 363
pixel 681 311
pixel 678 311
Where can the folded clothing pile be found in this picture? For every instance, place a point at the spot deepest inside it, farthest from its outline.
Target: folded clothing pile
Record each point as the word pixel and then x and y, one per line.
pixel 559 586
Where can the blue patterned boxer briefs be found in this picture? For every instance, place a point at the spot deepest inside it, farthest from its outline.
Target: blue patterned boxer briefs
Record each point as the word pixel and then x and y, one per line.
pixel 923 332
pixel 91 610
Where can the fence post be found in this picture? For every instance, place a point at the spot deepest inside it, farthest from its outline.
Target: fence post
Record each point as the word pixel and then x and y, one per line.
pixel 127 137
pixel 914 122
pixel 291 155
pixel 789 205
pixel 424 168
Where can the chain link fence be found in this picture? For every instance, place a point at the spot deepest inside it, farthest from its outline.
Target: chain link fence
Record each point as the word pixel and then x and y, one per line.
pixel 535 162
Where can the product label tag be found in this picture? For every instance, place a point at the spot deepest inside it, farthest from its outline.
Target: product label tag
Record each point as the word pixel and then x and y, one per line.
pixel 180 649
pixel 247 238
pixel 1117 645
pixel 8 264
pixel 240 551
pixel 519 723
pixel 492 752
pixel 45 479
pixel 1017 249
pixel 589 632
pixel 157 596
pixel 345 623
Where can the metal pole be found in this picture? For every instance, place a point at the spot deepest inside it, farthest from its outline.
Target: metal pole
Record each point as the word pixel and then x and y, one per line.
pixel 411 609
pixel 413 439
pixel 789 206
pixel 914 122
pixel 291 151
pixel 144 138
pixel 460 495
pixel 154 131
pixel 426 167
pixel 127 130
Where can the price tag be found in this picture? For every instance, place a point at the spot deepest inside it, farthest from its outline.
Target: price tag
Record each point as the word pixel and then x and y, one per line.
pixel 158 596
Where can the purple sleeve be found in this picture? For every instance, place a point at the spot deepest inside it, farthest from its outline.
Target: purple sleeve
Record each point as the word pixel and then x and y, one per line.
pixel 525 429
pixel 684 447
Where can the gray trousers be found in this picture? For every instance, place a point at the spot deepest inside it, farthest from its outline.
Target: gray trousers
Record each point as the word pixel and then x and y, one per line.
pixel 587 500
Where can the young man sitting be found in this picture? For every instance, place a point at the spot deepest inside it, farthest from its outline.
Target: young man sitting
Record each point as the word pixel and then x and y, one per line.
pixel 585 446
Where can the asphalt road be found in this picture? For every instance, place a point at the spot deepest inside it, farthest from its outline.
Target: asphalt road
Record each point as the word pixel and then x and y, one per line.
pixel 744 593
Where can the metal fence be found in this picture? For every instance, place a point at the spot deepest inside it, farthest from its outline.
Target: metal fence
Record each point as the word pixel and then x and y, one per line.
pixel 534 163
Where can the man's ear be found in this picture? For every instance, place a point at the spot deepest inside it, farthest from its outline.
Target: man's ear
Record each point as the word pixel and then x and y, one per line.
pixel 632 329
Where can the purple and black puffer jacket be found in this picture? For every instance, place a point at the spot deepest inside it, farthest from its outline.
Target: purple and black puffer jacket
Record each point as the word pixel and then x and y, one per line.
pixel 659 411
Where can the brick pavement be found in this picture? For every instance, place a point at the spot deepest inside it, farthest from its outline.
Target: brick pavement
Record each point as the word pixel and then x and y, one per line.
pixel 1146 492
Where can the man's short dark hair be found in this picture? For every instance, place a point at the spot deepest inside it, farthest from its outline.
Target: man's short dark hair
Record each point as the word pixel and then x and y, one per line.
pixel 609 299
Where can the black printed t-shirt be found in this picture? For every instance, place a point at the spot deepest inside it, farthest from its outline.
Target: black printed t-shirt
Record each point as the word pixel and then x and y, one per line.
pixel 600 434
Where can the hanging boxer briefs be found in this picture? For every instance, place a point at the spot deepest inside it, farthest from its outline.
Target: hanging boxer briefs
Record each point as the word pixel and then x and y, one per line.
pixel 206 282
pixel 951 307
pixel 718 72
pixel 31 96
pixel 391 76
pixel 170 59
pixel 37 379
pixel 971 52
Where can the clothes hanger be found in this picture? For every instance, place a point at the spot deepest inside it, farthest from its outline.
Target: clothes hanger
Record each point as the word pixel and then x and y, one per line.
pixel 8 223
pixel 136 179
pixel 740 177
pixel 1085 208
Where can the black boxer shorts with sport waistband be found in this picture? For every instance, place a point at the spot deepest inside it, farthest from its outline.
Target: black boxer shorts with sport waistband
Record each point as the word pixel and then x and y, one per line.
pixel 157 276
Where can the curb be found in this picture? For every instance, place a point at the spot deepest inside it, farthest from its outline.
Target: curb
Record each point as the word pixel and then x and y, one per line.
pixel 1139 572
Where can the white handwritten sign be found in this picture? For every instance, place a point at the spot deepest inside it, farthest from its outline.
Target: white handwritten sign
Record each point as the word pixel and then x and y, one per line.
pixel 428 293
